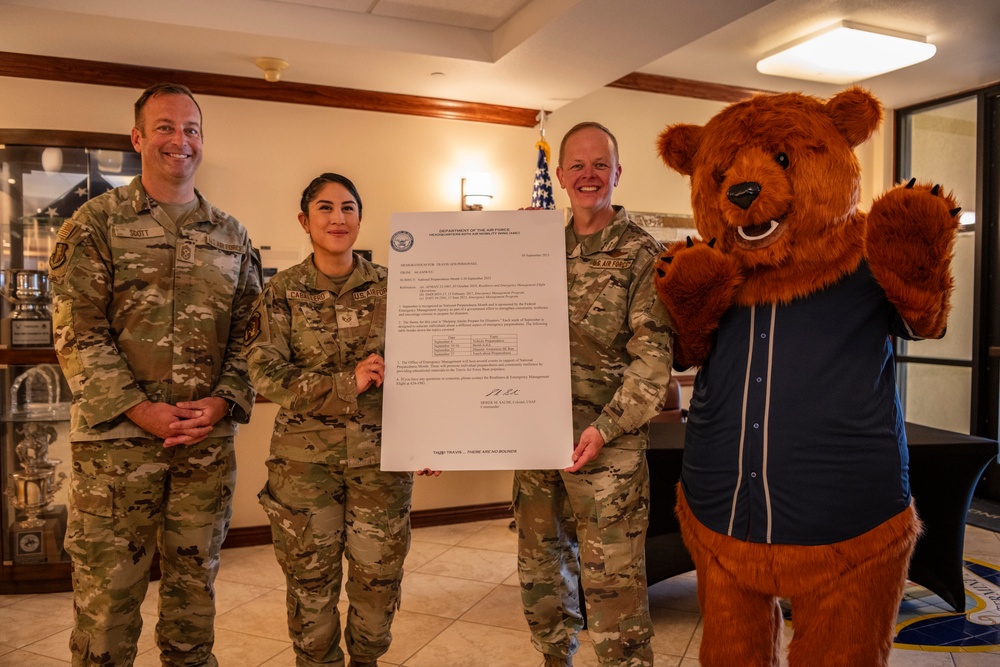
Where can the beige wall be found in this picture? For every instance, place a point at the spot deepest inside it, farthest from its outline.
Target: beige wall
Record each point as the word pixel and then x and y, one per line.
pixel 259 156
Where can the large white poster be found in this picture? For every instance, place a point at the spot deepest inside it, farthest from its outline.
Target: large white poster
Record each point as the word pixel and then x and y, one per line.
pixel 477 343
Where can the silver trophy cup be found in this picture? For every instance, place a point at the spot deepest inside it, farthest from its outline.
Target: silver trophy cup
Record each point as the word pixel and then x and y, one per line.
pixel 34 486
pixel 29 323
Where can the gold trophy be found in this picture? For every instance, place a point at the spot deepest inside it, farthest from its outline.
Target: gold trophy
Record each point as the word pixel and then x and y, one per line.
pixel 35 407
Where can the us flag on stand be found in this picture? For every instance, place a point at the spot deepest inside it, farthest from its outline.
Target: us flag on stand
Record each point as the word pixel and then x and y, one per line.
pixel 541 194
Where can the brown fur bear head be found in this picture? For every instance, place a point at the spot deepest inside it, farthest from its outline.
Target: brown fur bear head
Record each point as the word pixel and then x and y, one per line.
pixel 775 181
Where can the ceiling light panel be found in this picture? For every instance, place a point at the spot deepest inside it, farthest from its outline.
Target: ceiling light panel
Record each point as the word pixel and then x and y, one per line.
pixel 846 52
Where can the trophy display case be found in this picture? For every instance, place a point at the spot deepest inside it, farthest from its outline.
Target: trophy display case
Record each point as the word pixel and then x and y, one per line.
pixel 46 176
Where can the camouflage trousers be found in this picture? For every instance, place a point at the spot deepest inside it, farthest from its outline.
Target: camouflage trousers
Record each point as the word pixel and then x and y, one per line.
pixel 129 498
pixel 588 526
pixel 319 514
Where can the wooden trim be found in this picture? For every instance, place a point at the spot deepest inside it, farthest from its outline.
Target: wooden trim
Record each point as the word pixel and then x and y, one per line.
pixel 24 356
pixel 55 577
pixel 255 536
pixel 72 70
pixel 251 536
pixel 92 72
pixel 66 139
pixel 449 515
pixel 667 85
pixel 36 578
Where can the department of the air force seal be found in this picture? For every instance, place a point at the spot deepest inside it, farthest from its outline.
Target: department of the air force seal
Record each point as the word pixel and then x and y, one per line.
pixel 401 241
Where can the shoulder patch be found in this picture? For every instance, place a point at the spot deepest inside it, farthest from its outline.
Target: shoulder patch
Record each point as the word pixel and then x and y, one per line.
pixel 59 255
pixel 67 229
pixel 252 331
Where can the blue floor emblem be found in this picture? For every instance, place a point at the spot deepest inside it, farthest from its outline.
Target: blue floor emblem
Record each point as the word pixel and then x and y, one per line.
pixel 927 623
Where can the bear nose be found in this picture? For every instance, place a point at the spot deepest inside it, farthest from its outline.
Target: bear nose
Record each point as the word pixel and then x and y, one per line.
pixel 743 194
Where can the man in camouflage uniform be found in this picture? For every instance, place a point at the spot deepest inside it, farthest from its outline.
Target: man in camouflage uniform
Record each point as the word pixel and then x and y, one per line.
pixel 153 287
pixel 597 510
pixel 315 347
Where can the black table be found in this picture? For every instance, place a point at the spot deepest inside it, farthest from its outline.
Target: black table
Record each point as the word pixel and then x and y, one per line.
pixel 666 555
pixel 944 469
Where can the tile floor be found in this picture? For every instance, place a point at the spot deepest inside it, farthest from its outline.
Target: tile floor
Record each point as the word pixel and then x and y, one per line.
pixel 460 609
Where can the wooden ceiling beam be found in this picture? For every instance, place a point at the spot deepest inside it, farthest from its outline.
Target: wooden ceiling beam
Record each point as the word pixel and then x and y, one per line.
pixel 72 70
pixel 666 85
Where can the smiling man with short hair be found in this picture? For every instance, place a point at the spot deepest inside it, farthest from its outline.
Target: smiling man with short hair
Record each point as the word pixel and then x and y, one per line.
pixel 153 287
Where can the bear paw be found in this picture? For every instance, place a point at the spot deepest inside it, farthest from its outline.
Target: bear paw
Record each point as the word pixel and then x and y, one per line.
pixel 697 284
pixel 911 232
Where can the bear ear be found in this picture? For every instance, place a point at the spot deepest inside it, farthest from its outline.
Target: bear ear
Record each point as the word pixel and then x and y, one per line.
pixel 856 114
pixel 677 146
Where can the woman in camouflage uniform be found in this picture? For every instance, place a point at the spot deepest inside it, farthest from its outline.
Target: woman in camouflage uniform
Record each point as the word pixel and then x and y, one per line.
pixel 314 345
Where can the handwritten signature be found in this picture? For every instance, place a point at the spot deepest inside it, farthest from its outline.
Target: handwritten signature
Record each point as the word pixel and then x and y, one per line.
pixel 504 392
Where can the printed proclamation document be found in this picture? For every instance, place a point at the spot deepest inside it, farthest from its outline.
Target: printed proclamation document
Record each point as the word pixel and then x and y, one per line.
pixel 477 343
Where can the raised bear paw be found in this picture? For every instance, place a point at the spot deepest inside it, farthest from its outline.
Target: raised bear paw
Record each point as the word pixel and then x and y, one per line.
pixel 908 244
pixel 697 284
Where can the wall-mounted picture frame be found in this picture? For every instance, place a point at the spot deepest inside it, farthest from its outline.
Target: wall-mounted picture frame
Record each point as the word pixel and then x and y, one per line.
pixel 665 227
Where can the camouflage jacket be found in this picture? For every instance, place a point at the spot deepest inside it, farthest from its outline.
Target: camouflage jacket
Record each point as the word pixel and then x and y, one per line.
pixel 303 344
pixel 144 310
pixel 620 341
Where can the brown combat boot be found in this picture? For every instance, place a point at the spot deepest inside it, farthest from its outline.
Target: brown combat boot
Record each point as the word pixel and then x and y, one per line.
pixel 558 661
pixel 355 663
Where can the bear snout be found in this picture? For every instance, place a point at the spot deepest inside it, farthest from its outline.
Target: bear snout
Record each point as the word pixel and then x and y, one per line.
pixel 744 194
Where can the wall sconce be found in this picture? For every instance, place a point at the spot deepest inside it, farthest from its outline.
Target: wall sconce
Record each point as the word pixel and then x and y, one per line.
pixel 477 191
pixel 846 52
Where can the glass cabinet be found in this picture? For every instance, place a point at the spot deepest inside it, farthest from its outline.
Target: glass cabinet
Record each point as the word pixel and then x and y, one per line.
pixel 45 177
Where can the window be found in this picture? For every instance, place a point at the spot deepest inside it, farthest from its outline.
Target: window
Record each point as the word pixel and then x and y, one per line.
pixel 954 383
pixel 935 376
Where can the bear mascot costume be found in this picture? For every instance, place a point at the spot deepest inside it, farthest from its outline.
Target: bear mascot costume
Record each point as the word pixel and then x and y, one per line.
pixel 794 482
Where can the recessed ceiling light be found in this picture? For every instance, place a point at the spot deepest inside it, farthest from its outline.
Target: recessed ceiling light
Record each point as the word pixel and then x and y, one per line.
pixel 846 52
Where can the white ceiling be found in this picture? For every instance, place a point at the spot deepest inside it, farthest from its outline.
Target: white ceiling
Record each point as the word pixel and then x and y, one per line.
pixel 522 53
